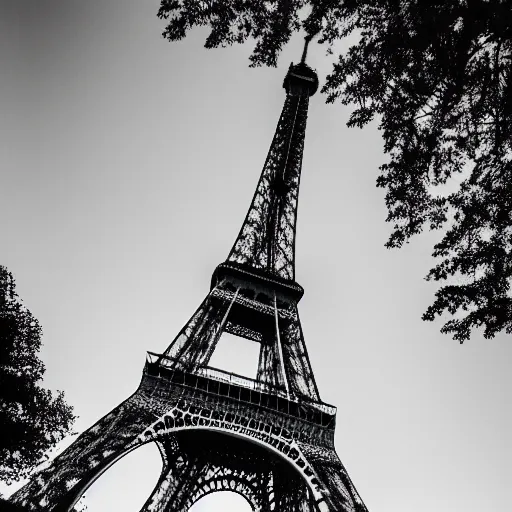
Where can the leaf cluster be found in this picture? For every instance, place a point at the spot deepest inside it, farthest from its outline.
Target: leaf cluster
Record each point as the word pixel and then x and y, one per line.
pixel 33 419
pixel 269 23
pixel 437 77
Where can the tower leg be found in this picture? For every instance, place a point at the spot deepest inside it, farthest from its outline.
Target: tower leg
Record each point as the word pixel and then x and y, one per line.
pixel 340 495
pixel 60 485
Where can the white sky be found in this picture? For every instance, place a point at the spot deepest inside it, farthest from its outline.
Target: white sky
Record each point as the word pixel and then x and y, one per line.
pixel 128 166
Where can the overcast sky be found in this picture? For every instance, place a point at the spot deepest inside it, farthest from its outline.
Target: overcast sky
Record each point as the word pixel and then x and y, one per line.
pixel 128 164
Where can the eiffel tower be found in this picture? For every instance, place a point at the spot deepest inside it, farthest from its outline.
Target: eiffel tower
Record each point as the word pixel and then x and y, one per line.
pixel 270 439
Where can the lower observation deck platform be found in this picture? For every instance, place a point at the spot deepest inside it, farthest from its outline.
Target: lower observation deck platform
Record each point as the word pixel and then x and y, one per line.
pixel 241 389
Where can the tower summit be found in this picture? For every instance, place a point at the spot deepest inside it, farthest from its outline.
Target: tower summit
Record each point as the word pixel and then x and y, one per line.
pixel 271 438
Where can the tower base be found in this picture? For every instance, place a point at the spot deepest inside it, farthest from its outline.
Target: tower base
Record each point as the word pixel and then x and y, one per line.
pixel 213 435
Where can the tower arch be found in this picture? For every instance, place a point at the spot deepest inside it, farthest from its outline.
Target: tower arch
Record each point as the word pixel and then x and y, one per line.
pixel 220 502
pixel 199 462
pixel 126 484
pixel 290 457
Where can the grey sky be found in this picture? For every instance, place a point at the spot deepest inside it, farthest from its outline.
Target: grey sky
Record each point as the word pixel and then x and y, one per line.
pixel 128 166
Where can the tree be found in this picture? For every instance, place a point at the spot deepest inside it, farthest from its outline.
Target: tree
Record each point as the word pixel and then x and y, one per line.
pixel 33 419
pixel 437 76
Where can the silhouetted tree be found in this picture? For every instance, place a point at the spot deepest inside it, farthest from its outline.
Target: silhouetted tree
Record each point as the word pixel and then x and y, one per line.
pixel 437 76
pixel 32 419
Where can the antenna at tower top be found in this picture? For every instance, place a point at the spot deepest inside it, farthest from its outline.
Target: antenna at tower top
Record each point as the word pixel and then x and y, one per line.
pixel 307 39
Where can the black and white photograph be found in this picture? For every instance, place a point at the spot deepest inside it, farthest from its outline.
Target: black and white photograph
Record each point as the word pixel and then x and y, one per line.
pixel 256 256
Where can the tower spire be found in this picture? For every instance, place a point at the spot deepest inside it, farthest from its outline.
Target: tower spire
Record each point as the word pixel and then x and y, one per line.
pixel 266 242
pixel 307 40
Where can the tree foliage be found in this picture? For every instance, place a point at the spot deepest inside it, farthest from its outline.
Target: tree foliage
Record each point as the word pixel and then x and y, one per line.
pixel 437 76
pixel 32 419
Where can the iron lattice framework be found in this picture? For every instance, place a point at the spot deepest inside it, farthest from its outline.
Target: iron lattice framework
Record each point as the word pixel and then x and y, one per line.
pixel 267 238
pixel 270 439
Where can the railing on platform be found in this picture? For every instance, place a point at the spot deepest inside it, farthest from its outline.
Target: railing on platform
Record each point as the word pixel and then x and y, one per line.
pixel 214 380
